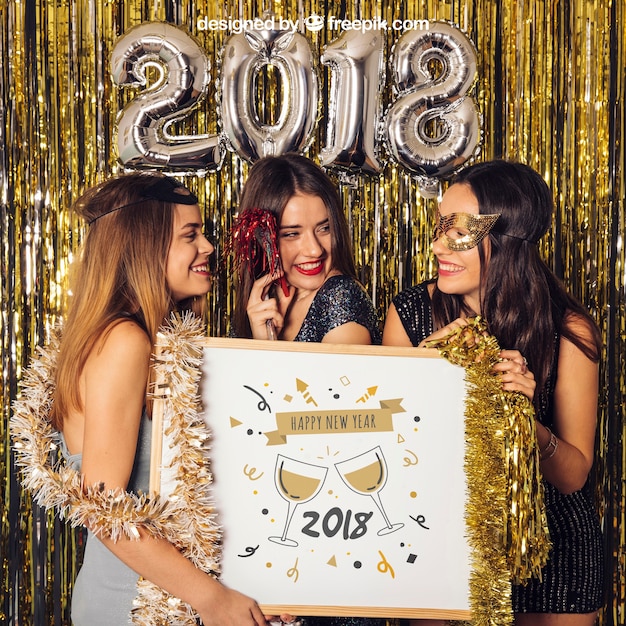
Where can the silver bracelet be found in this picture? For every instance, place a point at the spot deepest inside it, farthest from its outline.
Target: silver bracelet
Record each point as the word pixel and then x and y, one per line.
pixel 550 448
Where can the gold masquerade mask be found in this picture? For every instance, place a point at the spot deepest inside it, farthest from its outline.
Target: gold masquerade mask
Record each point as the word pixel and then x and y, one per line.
pixel 463 231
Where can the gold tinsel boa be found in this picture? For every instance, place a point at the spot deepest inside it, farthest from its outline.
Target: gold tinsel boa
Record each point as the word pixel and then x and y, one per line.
pixel 186 518
pixel 505 516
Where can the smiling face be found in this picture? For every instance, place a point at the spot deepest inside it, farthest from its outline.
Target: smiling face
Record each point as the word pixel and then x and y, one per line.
pixel 459 270
pixel 187 270
pixel 305 239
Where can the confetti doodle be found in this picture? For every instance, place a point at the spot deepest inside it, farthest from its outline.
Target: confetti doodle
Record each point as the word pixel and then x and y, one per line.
pixel 250 473
pixel 263 404
pixel 421 520
pixel 250 552
pixel 408 461
pixel 384 566
pixel 302 387
pixel 371 391
pixel 293 572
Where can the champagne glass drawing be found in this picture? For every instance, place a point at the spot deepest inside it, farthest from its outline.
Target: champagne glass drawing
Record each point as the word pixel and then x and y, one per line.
pixel 366 474
pixel 297 482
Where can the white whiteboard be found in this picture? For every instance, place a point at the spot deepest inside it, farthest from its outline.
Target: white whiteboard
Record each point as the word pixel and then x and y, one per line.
pixel 282 410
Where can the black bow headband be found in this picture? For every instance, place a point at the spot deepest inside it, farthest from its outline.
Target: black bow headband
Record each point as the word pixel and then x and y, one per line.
pixel 165 189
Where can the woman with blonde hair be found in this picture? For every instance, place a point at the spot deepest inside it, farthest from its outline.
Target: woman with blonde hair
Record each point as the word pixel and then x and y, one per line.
pixel 144 256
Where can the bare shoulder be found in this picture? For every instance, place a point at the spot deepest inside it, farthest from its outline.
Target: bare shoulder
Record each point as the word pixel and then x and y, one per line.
pixel 125 340
pixel 581 327
pixel 580 343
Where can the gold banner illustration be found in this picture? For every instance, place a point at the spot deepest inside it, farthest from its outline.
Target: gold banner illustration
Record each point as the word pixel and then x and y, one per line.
pixel 334 422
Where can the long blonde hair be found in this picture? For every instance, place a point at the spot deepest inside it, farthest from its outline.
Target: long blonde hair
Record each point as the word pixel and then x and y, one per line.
pixel 121 274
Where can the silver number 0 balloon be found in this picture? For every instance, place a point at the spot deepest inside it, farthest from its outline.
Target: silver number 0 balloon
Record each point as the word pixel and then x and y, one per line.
pixel 243 57
pixel 142 128
pixel 433 127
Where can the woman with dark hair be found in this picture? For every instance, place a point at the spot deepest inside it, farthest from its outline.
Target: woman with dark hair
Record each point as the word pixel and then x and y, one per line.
pixel 324 301
pixel 489 223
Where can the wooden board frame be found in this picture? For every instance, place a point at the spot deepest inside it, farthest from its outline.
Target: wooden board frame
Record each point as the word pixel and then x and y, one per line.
pixel 291 409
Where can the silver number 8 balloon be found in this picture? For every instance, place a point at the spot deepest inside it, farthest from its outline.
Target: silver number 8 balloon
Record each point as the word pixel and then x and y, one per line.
pixel 433 127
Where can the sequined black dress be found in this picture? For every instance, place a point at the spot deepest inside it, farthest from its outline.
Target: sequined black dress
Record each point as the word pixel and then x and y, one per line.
pixel 339 300
pixel 572 578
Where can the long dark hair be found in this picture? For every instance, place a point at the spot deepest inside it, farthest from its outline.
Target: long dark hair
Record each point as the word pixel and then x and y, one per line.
pixel 271 183
pixel 524 304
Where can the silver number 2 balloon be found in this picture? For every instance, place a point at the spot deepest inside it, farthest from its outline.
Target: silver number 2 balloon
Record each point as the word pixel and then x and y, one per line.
pixel 142 128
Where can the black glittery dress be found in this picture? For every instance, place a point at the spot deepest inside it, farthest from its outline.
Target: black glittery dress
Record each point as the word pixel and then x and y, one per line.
pixel 572 580
pixel 339 300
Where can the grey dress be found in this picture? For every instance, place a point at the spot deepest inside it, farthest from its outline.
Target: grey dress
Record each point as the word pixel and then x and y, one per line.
pixel 105 587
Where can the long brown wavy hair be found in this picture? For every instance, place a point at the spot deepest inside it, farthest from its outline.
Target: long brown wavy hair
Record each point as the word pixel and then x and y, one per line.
pixel 120 274
pixel 271 183
pixel 524 304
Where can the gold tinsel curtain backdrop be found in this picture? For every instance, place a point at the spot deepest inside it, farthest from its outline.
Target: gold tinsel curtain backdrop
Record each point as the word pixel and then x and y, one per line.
pixel 549 92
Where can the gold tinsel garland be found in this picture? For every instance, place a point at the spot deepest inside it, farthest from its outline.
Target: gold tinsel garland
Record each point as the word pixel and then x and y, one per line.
pixel 505 516
pixel 186 518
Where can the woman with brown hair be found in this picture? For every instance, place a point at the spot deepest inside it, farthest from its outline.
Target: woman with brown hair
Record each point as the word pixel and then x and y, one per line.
pixel 314 295
pixel 489 223
pixel 322 300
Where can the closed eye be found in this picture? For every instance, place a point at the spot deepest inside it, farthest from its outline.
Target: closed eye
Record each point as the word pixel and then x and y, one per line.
pixel 192 235
pixel 456 234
